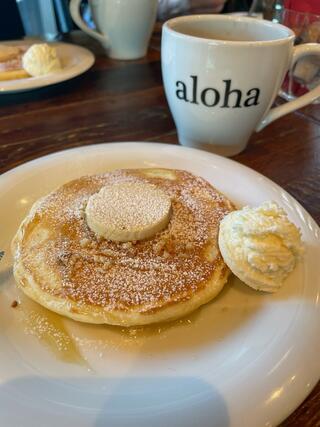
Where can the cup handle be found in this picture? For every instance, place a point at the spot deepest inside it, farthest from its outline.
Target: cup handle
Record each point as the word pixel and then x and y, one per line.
pixel 298 52
pixel 76 16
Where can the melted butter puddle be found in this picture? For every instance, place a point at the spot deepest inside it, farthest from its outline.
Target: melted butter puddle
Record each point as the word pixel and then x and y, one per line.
pixel 145 331
pixel 49 329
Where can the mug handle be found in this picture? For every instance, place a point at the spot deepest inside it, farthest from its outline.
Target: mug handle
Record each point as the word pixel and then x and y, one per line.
pixel 298 52
pixel 75 13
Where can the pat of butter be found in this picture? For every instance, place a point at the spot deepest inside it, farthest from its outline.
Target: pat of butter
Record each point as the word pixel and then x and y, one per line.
pixel 128 211
pixel 41 59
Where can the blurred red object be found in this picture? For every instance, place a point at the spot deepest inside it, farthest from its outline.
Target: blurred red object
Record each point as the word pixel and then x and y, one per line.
pixel 307 6
pixel 303 17
pixel 293 88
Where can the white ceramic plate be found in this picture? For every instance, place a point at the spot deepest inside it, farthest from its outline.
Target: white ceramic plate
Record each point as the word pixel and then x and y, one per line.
pixel 245 360
pixel 75 60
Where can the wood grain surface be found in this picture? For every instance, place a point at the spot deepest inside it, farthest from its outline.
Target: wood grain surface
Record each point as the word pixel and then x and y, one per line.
pixel 125 101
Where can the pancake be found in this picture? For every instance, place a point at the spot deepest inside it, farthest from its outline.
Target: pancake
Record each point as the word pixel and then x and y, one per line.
pixel 11 62
pixel 60 263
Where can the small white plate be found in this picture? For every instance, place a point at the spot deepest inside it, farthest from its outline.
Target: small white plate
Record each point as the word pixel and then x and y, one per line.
pixel 75 61
pixel 246 359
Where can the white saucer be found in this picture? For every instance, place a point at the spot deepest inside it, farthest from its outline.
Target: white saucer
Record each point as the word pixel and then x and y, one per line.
pixel 247 359
pixel 75 60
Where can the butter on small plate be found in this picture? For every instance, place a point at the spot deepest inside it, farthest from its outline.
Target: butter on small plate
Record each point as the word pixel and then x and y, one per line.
pixel 43 64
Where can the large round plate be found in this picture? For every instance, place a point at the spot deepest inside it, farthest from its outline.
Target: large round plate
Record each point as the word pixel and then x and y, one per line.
pixel 75 61
pixel 245 360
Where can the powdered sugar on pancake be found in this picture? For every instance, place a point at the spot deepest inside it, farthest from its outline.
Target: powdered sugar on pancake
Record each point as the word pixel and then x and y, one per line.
pixel 167 268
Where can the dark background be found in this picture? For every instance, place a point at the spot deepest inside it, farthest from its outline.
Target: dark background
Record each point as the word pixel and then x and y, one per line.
pixel 11 26
pixel 10 22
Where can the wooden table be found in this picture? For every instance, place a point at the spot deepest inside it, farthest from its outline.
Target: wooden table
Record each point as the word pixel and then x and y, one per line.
pixel 125 101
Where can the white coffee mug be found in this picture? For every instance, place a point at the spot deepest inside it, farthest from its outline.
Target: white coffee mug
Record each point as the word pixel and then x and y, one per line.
pixel 221 75
pixel 124 27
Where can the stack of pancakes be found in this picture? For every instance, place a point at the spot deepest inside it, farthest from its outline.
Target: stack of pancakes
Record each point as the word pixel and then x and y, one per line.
pixel 63 265
pixel 11 62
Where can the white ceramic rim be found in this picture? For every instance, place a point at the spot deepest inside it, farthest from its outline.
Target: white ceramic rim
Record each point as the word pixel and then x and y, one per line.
pixel 288 33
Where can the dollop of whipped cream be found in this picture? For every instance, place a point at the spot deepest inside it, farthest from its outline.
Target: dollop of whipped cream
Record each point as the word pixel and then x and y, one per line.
pixel 41 59
pixel 260 245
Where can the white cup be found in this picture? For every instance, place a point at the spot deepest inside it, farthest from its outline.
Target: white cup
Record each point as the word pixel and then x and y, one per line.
pixel 124 26
pixel 221 75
